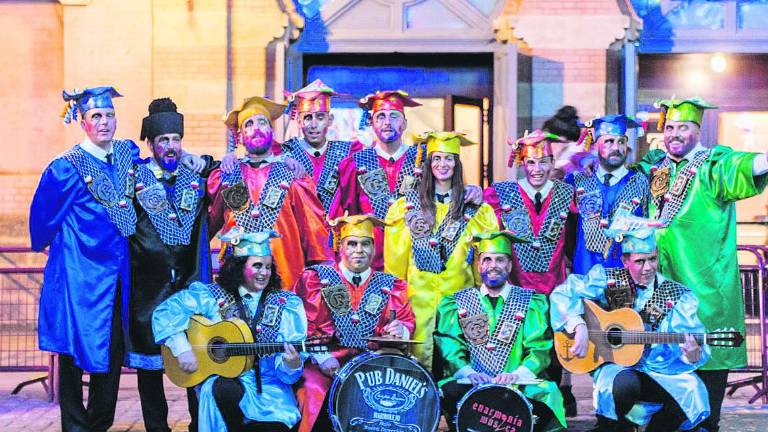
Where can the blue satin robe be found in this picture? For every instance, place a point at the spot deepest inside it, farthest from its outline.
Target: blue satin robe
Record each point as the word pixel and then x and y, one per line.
pixel 583 258
pixel 276 403
pixel 664 363
pixel 87 257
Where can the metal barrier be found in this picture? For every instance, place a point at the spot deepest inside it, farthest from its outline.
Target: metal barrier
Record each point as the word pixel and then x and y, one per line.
pixel 753 281
pixel 19 299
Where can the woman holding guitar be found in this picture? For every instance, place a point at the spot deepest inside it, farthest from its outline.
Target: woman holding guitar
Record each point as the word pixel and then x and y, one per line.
pixel 248 288
pixel 663 381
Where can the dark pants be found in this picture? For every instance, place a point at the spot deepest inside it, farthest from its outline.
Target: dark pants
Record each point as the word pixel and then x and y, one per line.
pixel 227 392
pixel 154 407
pixel 453 392
pixel 102 389
pixel 715 381
pixel 630 387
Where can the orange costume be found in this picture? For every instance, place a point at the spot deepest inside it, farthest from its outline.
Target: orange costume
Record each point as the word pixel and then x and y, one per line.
pixel 367 308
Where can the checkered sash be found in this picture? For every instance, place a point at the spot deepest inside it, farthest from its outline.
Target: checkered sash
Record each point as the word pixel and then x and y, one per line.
pixel 382 198
pixel 328 181
pixel 490 356
pixel 258 216
pixel 350 333
pixel 116 201
pixel 536 255
pixel 172 222
pixel 661 302
pixel 669 203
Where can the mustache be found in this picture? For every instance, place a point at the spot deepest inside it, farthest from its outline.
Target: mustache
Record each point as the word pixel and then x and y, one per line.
pixel 171 153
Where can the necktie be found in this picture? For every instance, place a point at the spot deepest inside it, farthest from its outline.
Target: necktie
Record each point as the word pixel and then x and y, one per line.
pixel 356 279
pixel 109 158
pixel 537 202
pixel 442 197
pixel 391 159
pixel 317 153
pixel 607 179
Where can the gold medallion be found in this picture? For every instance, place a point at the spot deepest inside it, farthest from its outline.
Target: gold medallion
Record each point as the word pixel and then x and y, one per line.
pixel 236 197
pixel 374 183
pixel 337 298
pixel 475 328
pixel 660 182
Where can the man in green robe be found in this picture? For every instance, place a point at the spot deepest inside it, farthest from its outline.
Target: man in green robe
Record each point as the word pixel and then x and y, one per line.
pixel 497 333
pixel 694 190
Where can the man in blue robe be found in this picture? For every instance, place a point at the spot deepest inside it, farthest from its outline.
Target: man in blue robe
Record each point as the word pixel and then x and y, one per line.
pixel 611 190
pixel 661 390
pixel 82 211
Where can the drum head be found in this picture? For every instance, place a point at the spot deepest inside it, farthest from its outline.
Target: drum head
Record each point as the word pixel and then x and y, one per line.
pixel 383 392
pixel 494 407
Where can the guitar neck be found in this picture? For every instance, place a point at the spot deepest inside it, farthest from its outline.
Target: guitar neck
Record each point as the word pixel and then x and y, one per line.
pixel 648 338
pixel 262 349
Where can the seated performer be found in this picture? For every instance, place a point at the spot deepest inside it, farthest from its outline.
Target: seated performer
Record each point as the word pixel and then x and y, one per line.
pixel 249 285
pixel 353 302
pixel 506 351
pixel 670 395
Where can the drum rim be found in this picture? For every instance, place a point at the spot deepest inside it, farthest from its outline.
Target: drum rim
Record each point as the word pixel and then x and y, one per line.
pixel 360 358
pixel 480 387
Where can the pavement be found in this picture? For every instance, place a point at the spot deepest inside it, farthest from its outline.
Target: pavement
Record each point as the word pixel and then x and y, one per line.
pixel 30 410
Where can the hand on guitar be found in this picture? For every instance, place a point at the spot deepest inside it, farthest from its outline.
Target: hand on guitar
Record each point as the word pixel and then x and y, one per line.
pixel 291 357
pixel 691 349
pixel 580 341
pixel 479 378
pixel 505 378
pixel 187 361
pixel 395 329
pixel 330 366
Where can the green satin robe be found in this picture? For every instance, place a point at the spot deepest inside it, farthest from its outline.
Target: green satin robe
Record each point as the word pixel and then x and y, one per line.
pixel 531 348
pixel 698 248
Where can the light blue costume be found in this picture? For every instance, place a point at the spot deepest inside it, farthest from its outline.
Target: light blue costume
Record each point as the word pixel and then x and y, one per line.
pixel 276 402
pixel 664 363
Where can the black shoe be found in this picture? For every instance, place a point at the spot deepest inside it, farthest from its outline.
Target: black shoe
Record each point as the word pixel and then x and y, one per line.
pixel 569 401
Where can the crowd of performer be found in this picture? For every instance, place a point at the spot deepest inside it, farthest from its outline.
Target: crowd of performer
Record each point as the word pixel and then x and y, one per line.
pixel 336 240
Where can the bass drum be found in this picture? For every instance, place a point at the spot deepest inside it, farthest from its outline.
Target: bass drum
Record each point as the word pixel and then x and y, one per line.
pixel 383 392
pixel 494 407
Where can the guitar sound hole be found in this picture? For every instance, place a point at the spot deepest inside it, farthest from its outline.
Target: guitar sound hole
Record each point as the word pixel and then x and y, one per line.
pixel 613 336
pixel 217 351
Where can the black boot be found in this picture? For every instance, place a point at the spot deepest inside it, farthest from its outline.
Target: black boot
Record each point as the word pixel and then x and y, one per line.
pixel 569 401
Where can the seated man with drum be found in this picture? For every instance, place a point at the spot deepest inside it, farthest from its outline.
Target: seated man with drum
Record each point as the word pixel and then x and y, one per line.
pixel 491 337
pixel 353 302
pixel 661 389
pixel 248 287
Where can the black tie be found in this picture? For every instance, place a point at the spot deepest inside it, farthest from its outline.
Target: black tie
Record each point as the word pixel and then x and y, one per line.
pixel 109 158
pixel 356 279
pixel 317 153
pixel 537 202
pixel 607 179
pixel 391 159
pixel 442 197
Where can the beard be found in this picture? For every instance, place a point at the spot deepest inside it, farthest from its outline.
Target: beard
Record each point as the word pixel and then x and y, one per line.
pixel 613 161
pixel 494 281
pixel 258 143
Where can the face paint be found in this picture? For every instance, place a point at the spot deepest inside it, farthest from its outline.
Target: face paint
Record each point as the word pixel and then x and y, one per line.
pixel 256 272
pixel 256 134
pixel 443 165
pixel 315 126
pixel 99 125
pixel 388 125
pixel 537 170
pixel 166 150
pixel 494 269
pixel 680 137
pixel 612 151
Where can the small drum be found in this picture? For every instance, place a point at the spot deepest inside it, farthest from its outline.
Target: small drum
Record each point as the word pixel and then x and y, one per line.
pixel 494 407
pixel 383 392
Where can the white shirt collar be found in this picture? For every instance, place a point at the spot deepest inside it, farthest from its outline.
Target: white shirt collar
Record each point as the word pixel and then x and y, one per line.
pixel 697 148
pixel 311 150
pixel 95 151
pixel 531 192
pixel 398 154
pixel 348 274
pixel 256 295
pixel 504 291
pixel 271 158
pixel 617 174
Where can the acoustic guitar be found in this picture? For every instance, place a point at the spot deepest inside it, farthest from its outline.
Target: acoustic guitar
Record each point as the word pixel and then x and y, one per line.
pixel 620 337
pixel 226 349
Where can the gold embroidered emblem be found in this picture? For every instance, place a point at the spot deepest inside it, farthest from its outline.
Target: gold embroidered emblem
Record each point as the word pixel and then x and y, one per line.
pixel 660 182
pixel 475 328
pixel 153 199
pixel 236 197
pixel 374 183
pixel 417 224
pixel 102 189
pixel 337 298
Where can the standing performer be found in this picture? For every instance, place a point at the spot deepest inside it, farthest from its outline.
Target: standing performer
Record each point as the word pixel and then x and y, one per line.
pixel 262 193
pixel 82 210
pixel 507 349
pixel 313 151
pixel 427 240
pixel 353 302
pixel 168 251
pixel 694 190
pixel 611 191
pixel 665 373
pixel 261 399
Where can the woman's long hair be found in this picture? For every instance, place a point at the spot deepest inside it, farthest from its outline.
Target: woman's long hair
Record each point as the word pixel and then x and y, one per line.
pixel 231 278
pixel 427 191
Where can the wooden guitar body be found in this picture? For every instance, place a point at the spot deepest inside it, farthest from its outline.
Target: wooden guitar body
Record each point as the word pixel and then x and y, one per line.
pixel 204 335
pixel 602 348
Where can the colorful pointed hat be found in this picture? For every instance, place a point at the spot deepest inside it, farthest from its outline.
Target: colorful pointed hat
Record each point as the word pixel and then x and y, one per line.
pixel 384 100
pixel 316 97
pixel 536 144
pixel 496 242
pixel 614 124
pixel 249 243
pixel 250 107
pixel 691 109
pixel 636 234
pixel 357 225
pixel 86 100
